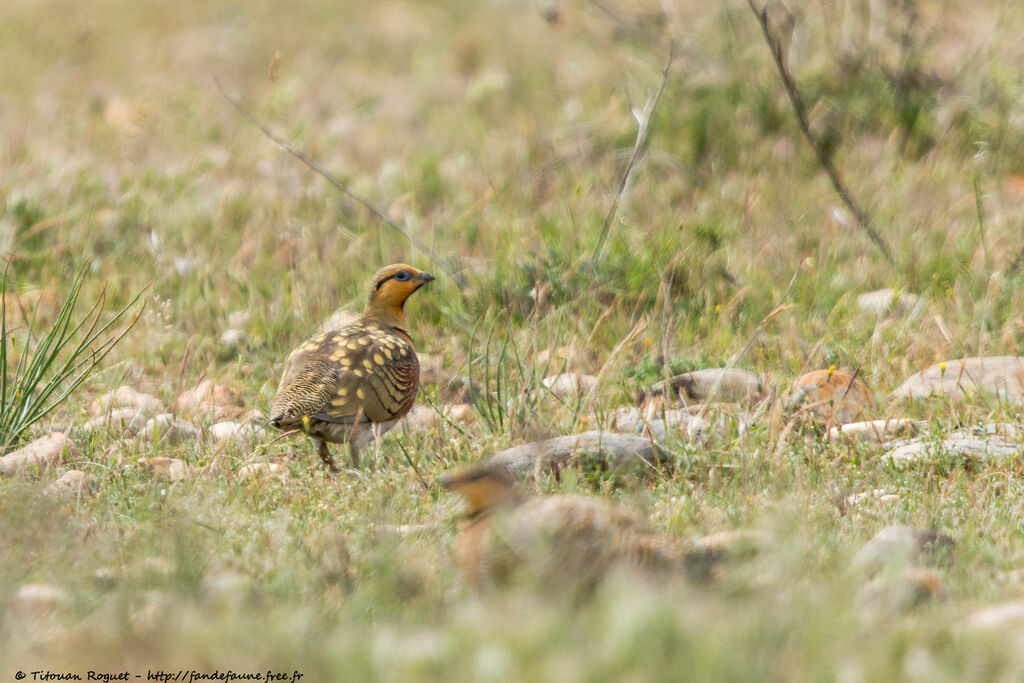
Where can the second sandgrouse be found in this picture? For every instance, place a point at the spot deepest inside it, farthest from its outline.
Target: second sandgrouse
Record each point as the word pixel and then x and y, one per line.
pixel 353 384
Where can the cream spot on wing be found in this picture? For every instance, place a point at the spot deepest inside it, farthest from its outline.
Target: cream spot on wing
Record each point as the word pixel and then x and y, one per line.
pixel 364 341
pixel 368 364
pixel 378 359
pixel 387 352
pixel 342 391
pixel 360 394
pixel 352 345
pixel 357 372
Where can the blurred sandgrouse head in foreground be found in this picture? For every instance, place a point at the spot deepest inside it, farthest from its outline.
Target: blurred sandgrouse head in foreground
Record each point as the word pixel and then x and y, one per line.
pixel 353 384
pixel 567 544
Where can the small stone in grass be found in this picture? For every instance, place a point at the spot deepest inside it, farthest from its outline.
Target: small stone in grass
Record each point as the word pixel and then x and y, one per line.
pixel 46 451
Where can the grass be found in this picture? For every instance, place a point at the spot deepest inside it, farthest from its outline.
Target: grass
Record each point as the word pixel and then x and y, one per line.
pixel 500 138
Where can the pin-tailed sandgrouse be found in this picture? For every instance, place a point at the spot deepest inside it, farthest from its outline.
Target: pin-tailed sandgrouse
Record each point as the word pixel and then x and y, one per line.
pixel 353 384
pixel 562 541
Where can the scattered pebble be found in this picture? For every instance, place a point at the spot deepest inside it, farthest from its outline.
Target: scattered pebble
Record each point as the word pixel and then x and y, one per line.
pixel 49 450
pixel 37 599
pixel 119 420
pixel 234 339
pixel 593 447
pixel 876 430
pixel 878 497
pixel 569 385
pixel 337 320
pixel 175 468
pixel 126 397
pixel 71 481
pixel 254 470
pixel 999 375
pixel 1009 615
pixel 962 443
pixel 207 399
pixel 887 302
pixel 235 430
pixel 710 384
pixel 425 418
pixel 168 429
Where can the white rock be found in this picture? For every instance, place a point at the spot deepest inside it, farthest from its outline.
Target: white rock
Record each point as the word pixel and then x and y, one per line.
pixel 569 385
pixel 1009 615
pixel 261 469
pixel 126 397
pixel 234 338
pixel 119 420
pixel 52 449
pixel 875 430
pixel 919 451
pixel 235 430
pixel 37 599
pixel 337 320
pixel 1000 375
pixel 883 301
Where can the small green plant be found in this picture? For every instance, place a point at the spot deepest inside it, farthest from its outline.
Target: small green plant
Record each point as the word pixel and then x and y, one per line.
pixel 43 370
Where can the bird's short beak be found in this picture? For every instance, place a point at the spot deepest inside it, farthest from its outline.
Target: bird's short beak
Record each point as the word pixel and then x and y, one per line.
pixel 426 277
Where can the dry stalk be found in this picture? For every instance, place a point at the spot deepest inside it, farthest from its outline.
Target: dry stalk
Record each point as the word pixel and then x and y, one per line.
pixel 778 49
pixel 639 149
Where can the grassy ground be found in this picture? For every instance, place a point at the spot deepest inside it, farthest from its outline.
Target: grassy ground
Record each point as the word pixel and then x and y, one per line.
pixel 500 137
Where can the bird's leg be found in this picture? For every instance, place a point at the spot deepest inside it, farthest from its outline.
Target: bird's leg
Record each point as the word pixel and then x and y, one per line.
pixel 354 452
pixel 325 455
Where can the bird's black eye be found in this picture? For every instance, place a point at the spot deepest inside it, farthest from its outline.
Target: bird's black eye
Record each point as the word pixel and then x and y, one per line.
pixel 402 275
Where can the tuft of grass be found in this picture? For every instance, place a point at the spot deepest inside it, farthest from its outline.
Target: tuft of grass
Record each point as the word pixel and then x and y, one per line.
pixel 49 365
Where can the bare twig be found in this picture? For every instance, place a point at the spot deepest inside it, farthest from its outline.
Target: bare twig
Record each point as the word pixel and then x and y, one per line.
pixel 377 211
pixel 644 119
pixel 777 50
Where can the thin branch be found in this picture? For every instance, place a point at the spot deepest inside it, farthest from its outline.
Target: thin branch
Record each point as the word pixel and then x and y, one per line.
pixel 639 149
pixel 345 189
pixel 863 219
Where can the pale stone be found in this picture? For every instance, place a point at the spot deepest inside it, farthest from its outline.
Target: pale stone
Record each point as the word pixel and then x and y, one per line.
pixel 126 397
pixel 207 399
pixel 1009 615
pixel 119 420
pixel 999 375
pixel 169 429
pixel 710 384
pixel 887 301
pixel 49 450
pixel 878 431
pixel 569 385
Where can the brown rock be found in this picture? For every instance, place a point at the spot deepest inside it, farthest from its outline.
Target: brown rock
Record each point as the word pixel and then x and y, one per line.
pixel 52 449
pixel 710 384
pixel 829 397
pixel 999 375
